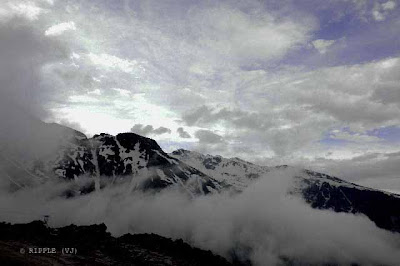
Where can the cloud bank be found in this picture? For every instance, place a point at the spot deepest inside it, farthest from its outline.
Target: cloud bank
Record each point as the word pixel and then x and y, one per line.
pixel 263 224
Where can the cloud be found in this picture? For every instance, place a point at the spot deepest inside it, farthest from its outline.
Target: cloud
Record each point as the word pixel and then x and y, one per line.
pixel 376 10
pixel 23 55
pixel 149 130
pixel 387 93
pixel 381 10
pixel 206 116
pixel 123 92
pixel 234 68
pixel 391 185
pixel 73 125
pixel 113 62
pixel 289 113
pixel 195 115
pixel 182 133
pixel 389 5
pixel 25 92
pixel 263 224
pixel 207 136
pixel 355 137
pixel 59 29
pixel 260 36
pixel 369 166
pixel 161 130
pixel 322 45
pixel 26 9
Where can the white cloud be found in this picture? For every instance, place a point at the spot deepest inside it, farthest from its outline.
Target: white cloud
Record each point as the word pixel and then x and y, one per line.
pixel 355 137
pixel 89 118
pixel 381 10
pixel 389 5
pixel 122 92
pixel 96 92
pixel 59 29
pixel 378 16
pixel 174 64
pixel 26 9
pixel 242 36
pixel 378 10
pixel 113 62
pixel 322 45
pixel 116 109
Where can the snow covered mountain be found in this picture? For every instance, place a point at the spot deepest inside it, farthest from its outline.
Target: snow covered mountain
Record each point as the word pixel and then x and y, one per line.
pixel 140 163
pixel 32 152
pixel 233 172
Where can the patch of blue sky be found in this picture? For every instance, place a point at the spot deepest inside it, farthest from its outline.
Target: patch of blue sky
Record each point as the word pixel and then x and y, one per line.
pixel 329 141
pixel 390 133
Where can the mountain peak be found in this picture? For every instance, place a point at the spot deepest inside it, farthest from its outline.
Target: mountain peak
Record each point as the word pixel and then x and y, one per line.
pixel 129 156
pixel 181 152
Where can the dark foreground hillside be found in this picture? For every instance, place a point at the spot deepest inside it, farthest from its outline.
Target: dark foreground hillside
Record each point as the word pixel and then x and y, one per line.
pixel 95 246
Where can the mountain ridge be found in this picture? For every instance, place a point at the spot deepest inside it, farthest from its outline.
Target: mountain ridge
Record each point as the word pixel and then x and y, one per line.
pixel 141 162
pixel 95 246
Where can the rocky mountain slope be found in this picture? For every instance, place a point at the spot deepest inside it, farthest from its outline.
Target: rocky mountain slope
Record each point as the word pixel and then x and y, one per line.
pixel 133 157
pixel 326 192
pixel 93 245
pixel 321 191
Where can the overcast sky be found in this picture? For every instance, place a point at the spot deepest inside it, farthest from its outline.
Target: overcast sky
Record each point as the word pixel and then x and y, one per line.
pixel 315 83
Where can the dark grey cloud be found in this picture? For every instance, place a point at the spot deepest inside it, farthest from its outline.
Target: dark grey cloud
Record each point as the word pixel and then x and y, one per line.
pixel 239 119
pixel 73 125
pixel 23 53
pixel 161 130
pixel 207 137
pixel 182 133
pixel 199 114
pixel 24 93
pixel 377 166
pixel 149 130
pixel 388 93
pixel 350 111
pixel 261 130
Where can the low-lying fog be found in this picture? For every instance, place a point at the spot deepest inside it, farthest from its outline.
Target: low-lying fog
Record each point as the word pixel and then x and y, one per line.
pixel 262 224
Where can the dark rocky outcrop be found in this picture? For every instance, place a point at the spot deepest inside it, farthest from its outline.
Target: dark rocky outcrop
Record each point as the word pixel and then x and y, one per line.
pixel 95 246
